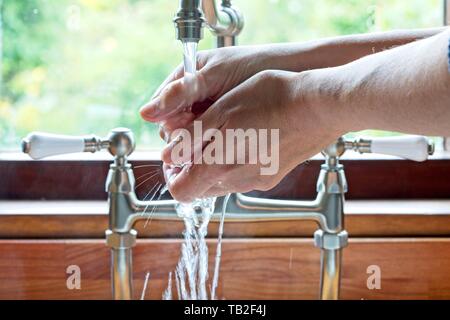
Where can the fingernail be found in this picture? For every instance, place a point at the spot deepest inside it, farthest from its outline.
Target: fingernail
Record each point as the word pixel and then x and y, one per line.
pixel 167 153
pixel 172 174
pixel 174 142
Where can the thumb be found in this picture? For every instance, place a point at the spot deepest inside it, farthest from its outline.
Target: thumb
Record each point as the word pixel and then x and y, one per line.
pixel 176 97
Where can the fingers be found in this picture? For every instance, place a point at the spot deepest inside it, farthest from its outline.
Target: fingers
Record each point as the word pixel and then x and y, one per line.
pixel 175 75
pixel 189 141
pixel 218 190
pixel 182 119
pixel 175 97
pixel 192 181
pixel 170 172
pixel 222 188
pixel 177 121
pixel 205 181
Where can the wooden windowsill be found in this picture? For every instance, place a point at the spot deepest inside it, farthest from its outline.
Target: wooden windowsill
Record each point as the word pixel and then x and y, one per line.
pixel 88 219
pixel 367 180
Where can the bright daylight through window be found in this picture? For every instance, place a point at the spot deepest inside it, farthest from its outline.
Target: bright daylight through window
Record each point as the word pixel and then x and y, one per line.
pixel 86 66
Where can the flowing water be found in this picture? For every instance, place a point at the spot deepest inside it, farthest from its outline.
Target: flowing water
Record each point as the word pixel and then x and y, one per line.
pixel 190 57
pixel 144 290
pixel 215 282
pixel 191 273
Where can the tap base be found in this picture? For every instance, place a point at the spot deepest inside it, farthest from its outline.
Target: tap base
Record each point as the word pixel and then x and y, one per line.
pixel 330 241
pixel 117 240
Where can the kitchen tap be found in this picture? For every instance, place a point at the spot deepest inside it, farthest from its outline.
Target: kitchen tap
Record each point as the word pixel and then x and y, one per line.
pixel 224 20
pixel 125 209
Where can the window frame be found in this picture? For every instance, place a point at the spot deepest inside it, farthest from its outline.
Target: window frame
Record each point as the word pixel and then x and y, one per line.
pixel 369 178
pixel 447 12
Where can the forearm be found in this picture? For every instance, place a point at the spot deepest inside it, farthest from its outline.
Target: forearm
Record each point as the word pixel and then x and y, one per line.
pixel 337 51
pixel 406 89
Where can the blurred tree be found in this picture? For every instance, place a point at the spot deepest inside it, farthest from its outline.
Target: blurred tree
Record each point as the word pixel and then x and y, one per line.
pixel 82 66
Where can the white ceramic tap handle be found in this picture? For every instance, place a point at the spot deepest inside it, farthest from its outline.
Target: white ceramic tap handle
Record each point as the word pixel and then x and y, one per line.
pixel 40 145
pixel 414 148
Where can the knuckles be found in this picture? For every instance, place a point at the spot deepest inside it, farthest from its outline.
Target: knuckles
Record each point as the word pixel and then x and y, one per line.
pixel 274 78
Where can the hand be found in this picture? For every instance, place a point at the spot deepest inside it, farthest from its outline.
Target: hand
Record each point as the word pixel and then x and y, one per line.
pixel 180 100
pixel 223 69
pixel 269 100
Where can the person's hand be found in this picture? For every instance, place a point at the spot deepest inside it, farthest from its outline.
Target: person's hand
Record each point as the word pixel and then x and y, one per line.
pixel 269 100
pixel 179 100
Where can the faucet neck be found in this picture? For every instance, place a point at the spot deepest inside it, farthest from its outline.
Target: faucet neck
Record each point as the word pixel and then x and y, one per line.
pixel 224 20
pixel 189 21
pixel 119 185
pixel 332 163
pixel 226 41
pixel 120 177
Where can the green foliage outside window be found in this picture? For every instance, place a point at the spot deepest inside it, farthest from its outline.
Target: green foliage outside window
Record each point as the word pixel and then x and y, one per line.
pixel 86 66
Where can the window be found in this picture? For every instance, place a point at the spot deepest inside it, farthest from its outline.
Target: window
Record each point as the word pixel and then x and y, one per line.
pixel 86 66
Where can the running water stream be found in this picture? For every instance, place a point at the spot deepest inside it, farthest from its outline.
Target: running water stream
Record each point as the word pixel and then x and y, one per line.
pixel 191 273
pixel 190 57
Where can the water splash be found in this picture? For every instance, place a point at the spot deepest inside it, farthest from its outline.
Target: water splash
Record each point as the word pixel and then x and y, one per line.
pixel 150 216
pixel 215 282
pixel 164 189
pixel 167 295
pixel 191 273
pixel 144 290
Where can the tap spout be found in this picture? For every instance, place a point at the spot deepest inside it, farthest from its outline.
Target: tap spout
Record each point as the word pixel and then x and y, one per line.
pixel 224 20
pixel 189 21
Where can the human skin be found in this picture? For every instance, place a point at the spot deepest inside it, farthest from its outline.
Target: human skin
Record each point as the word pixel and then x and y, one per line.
pixel 316 97
pixel 221 70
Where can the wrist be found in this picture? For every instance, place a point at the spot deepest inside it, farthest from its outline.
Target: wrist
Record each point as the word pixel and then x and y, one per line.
pixel 292 57
pixel 329 94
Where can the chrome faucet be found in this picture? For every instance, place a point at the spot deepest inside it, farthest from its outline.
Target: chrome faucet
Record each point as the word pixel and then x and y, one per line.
pixel 125 209
pixel 224 20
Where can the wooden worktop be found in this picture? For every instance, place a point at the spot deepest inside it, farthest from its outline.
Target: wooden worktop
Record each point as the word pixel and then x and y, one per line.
pixel 88 219
pixel 411 268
